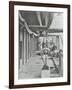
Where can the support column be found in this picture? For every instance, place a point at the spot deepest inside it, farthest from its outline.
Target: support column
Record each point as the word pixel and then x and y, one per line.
pixel 24 46
pixel 29 45
pixel 57 41
pixel 20 49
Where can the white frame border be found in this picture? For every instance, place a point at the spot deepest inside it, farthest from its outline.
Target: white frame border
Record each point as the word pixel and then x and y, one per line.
pixel 16 44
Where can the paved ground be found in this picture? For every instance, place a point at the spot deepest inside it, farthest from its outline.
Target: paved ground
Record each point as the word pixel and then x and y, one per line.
pixel 33 68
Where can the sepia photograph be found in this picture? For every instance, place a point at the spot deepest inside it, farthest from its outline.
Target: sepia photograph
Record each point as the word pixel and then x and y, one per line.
pixel 39 47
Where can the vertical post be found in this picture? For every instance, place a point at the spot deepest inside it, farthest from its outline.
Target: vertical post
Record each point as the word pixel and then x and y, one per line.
pixel 21 48
pixel 29 46
pixel 24 46
pixel 60 65
pixel 57 41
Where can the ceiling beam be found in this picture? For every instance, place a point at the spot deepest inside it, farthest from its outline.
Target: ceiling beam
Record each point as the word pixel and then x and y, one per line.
pixel 46 20
pixel 31 25
pixel 39 18
pixel 42 28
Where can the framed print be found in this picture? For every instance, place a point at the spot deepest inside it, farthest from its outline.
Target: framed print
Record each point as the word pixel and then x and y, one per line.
pixel 39 44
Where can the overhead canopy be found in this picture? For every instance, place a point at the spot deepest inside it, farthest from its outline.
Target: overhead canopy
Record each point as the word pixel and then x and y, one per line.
pixel 37 20
pixel 57 22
